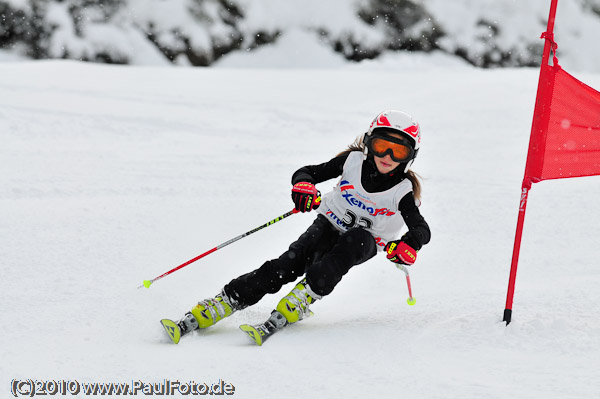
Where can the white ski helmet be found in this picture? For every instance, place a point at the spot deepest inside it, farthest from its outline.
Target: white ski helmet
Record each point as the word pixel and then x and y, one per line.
pixel 392 121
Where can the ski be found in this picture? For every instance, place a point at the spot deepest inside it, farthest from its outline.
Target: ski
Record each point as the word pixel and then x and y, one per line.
pixel 259 333
pixel 172 329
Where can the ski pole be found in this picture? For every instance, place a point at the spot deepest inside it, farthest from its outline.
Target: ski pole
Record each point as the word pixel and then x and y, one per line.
pixel 411 301
pixel 147 283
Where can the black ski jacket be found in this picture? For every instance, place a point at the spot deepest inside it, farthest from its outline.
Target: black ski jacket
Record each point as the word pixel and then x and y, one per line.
pixel 373 181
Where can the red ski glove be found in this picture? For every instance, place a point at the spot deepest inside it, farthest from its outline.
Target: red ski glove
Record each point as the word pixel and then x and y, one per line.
pixel 400 252
pixel 306 197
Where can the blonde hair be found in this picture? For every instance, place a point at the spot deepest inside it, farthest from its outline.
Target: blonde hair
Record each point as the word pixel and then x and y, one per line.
pixel 415 179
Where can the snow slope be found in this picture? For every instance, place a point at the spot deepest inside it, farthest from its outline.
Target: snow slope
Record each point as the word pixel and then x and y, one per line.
pixel 112 175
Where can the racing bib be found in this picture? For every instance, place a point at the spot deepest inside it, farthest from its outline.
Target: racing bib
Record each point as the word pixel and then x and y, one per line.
pixel 349 205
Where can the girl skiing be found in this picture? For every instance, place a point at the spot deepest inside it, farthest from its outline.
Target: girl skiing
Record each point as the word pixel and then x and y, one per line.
pixel 376 195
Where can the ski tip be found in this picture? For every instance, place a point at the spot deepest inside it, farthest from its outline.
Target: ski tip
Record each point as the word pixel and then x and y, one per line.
pixel 172 330
pixel 253 333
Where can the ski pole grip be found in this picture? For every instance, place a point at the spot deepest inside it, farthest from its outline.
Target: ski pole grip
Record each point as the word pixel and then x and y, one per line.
pixel 317 200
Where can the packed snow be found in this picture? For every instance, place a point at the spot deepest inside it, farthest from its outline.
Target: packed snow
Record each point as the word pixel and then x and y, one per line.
pixel 112 175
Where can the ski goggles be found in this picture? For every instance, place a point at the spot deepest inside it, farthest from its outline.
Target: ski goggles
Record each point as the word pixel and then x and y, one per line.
pixel 398 149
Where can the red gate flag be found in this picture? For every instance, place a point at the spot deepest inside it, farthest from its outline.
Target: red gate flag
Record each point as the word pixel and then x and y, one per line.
pixel 567 141
pixel 565 136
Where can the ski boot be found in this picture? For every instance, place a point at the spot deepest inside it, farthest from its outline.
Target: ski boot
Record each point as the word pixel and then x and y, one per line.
pixel 294 306
pixel 210 311
pixel 207 313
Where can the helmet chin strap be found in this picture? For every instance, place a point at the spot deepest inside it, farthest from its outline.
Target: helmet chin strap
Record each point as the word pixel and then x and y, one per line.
pixel 408 165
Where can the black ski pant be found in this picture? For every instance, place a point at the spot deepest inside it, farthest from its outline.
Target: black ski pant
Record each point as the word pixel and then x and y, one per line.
pixel 322 253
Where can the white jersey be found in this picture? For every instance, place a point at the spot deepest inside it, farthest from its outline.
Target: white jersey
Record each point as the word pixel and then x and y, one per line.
pixel 350 205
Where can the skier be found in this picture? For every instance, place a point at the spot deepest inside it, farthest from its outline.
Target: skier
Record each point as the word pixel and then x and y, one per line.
pixel 375 196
